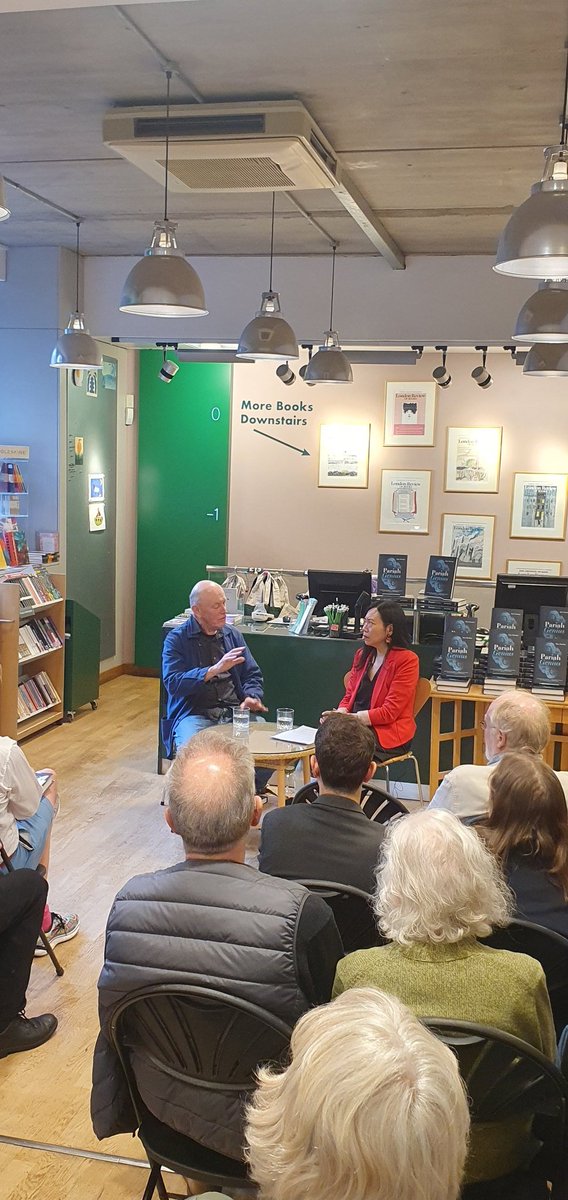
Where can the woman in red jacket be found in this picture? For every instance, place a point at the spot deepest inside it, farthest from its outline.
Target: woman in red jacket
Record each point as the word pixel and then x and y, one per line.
pixel 382 683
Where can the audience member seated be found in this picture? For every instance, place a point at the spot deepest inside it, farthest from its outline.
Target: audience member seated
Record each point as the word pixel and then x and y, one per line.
pixel 211 920
pixel 371 1108
pixel 527 831
pixel 381 687
pixel 331 838
pixel 438 891
pixel 27 809
pixel 515 720
pixel 22 903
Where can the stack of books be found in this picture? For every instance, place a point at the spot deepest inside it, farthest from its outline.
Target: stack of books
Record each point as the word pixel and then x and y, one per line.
pixel 11 479
pixel 36 589
pixel 504 650
pixel 551 654
pixel 37 638
pixel 391 575
pixel 458 654
pixel 13 545
pixel 35 694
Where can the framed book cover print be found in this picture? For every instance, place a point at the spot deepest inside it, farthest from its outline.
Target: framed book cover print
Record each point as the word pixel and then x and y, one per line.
pixel 530 566
pixel 344 456
pixel 410 411
pixel 404 502
pixel 470 539
pixel 539 506
pixel 473 459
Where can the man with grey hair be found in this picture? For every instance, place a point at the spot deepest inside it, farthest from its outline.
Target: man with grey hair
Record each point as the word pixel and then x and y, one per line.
pixel 515 720
pixel 214 921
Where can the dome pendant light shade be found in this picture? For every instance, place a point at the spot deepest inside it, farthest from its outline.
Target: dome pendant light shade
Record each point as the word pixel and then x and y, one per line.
pixel 163 284
pixel 534 243
pixel 4 210
pixel 549 361
pixel 544 316
pixel 268 335
pixel 76 347
pixel 329 364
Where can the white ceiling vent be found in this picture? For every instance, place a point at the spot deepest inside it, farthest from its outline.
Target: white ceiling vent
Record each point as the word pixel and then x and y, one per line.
pixel 246 147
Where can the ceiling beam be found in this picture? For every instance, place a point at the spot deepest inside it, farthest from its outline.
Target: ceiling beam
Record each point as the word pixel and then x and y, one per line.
pixel 356 205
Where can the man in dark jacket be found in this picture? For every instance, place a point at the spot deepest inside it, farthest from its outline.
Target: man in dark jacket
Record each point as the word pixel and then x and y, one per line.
pixel 331 838
pixel 214 921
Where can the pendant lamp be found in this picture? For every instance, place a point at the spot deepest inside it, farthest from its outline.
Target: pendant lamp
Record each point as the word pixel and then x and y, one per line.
pixel 329 364
pixel 76 347
pixel 268 335
pixel 549 361
pixel 163 284
pixel 4 210
pixel 544 316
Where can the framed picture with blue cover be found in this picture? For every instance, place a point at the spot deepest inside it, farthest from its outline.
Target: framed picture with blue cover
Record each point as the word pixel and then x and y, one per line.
pixel 470 539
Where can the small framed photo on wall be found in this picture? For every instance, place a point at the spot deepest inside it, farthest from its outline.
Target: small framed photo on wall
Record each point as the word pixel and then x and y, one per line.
pixel 539 506
pixel 529 566
pixel 473 459
pixel 404 502
pixel 470 540
pixel 96 487
pixel 344 456
pixel 410 412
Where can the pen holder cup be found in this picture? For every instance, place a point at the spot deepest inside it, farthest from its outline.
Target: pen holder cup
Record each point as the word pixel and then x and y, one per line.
pixel 336 629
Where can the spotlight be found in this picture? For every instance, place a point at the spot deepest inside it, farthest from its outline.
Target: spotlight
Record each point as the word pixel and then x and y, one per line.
pixel 302 371
pixel 168 369
pixel 442 377
pixel 481 375
pixel 286 374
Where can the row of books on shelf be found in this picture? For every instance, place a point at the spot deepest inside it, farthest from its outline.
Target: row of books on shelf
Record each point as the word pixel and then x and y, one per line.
pixel 37 637
pixel 11 478
pixel 36 588
pixel 13 545
pixel 35 694
pixel 543 667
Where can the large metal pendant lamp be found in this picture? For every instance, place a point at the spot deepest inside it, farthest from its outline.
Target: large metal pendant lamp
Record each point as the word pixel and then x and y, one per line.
pixel 547 361
pixel 329 364
pixel 4 210
pixel 544 316
pixel 75 347
pixel 163 284
pixel 268 335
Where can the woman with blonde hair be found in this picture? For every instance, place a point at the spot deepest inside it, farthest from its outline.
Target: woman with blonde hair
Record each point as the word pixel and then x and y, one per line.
pixel 439 890
pixel 371 1107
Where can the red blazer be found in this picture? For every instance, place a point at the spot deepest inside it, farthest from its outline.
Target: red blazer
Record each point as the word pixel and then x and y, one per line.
pixel 392 701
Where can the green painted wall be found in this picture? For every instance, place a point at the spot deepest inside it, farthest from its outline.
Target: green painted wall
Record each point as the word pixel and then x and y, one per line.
pixel 183 474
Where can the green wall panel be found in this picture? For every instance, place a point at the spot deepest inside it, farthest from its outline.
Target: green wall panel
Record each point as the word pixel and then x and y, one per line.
pixel 183 475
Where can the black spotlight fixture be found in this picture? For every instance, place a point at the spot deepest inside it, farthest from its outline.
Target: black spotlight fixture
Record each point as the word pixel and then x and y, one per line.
pixel 302 371
pixel 440 374
pixel 481 375
pixel 286 374
pixel 168 369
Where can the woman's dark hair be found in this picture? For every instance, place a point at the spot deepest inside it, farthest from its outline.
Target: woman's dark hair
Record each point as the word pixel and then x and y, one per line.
pixel 391 613
pixel 528 814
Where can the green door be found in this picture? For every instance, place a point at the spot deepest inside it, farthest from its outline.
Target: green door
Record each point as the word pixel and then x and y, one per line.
pixel 183 469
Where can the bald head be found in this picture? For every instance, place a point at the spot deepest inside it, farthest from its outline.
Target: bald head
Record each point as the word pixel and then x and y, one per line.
pixel 208 605
pixel 516 721
pixel 210 793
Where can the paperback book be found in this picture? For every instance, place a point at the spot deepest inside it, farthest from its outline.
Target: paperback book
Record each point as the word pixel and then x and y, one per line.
pixel 391 574
pixel 550 661
pixel 507 620
pixel 503 660
pixel 440 576
pixel 458 654
pixel 553 623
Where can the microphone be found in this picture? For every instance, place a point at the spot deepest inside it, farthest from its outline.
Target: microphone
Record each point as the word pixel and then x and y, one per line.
pixel 359 605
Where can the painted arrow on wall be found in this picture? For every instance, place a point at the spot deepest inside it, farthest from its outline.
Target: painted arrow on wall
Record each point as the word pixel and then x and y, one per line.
pixel 304 453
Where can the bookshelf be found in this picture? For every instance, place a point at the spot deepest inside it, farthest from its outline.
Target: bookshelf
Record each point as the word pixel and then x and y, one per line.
pixel 38 626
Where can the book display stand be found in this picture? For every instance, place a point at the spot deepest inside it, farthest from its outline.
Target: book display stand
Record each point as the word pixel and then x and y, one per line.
pixel 32 638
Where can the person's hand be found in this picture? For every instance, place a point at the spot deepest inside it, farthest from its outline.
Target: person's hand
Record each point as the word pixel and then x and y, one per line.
pixel 363 716
pixel 253 704
pixel 327 713
pixel 231 659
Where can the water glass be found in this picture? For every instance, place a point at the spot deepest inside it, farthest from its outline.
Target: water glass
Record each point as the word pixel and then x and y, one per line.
pixel 241 722
pixel 284 719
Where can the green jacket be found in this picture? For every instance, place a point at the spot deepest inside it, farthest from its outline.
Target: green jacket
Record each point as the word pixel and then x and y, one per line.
pixel 466 981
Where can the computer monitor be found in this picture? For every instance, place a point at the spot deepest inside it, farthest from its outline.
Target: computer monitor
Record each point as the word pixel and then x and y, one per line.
pixel 343 586
pixel 531 592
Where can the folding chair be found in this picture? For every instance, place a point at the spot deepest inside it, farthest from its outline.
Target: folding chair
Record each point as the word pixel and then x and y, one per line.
pixel 44 940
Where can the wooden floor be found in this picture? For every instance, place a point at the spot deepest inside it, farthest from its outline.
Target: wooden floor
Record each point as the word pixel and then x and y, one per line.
pixel 111 826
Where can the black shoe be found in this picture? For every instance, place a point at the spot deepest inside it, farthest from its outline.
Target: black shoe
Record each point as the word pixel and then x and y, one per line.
pixel 24 1033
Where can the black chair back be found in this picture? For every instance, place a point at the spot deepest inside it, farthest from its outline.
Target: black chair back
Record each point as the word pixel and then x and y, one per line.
pixel 352 910
pixel 507 1078
pixel 376 802
pixel 550 949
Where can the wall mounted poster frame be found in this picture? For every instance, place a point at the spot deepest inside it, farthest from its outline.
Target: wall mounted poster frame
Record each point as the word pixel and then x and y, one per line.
pixel 405 501
pixel 473 459
pixel 470 539
pixel 529 566
pixel 344 456
pixel 539 506
pixel 410 413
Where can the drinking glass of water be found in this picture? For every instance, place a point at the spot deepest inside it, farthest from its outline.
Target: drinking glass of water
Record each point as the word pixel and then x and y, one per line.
pixel 241 722
pixel 284 719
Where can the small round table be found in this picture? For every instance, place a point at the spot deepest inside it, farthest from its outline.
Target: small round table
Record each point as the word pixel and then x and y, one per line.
pixel 275 754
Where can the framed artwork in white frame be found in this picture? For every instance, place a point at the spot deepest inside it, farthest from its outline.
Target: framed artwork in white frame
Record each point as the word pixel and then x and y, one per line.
pixel 539 506
pixel 344 456
pixel 529 566
pixel 470 540
pixel 404 502
pixel 473 459
pixel 410 413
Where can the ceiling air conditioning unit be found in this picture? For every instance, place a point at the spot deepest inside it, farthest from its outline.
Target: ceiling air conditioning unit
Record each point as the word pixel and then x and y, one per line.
pixel 251 147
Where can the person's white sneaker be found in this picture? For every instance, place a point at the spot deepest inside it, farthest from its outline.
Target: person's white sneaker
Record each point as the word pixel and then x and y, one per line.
pixel 62 929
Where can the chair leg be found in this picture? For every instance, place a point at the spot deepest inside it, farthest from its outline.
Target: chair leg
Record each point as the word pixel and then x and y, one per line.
pixel 387 776
pixel 418 780
pixel 162 1190
pixel 154 1176
pixel 51 952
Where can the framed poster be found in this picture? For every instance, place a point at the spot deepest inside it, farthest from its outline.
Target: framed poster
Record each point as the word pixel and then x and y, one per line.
pixel 470 540
pixel 97 518
pixel 410 410
pixel 96 487
pixel 539 506
pixel 527 566
pixel 344 456
pixel 405 501
pixel 473 459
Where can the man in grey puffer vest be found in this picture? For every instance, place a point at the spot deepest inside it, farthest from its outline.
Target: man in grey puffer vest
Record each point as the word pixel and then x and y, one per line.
pixel 214 921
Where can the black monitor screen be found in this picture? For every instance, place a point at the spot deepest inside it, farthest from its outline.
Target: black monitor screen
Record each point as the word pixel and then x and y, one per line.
pixel 343 586
pixel 531 592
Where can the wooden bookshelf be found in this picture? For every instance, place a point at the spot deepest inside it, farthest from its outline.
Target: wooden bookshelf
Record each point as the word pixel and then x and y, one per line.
pixel 51 662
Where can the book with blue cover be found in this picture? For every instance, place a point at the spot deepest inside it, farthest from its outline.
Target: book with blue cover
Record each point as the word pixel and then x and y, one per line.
pixel 504 654
pixel 440 576
pixel 458 652
pixel 507 620
pixel 391 574
pixel 553 623
pixel 550 662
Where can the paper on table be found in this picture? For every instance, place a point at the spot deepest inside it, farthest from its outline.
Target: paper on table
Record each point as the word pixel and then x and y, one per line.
pixel 302 735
